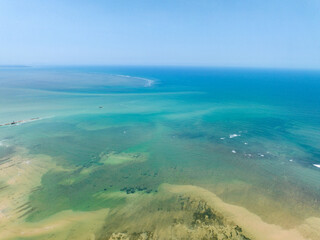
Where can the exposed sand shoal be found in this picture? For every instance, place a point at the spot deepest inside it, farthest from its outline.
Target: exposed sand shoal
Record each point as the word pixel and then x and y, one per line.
pixel 249 222
pixel 191 212
pixel 20 174
pixel 175 212
pixel 63 225
pixel 168 215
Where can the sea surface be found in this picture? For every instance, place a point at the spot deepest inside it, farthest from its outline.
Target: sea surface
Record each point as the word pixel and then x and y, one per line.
pixel 118 152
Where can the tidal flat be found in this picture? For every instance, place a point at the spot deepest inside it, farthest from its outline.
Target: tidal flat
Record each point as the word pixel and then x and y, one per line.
pixel 159 153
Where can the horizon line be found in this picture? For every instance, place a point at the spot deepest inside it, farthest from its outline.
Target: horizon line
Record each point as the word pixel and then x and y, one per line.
pixel 158 66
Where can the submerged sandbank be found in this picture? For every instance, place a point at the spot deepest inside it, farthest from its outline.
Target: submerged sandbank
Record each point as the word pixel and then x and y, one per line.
pixel 174 212
pixel 190 212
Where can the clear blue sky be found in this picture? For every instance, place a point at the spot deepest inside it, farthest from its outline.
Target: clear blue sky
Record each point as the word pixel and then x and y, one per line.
pixel 268 33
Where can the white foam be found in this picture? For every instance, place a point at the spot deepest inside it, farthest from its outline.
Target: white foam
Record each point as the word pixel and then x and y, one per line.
pixel 148 82
pixel 245 143
pixel 291 160
pixel 233 151
pixel 3 144
pixel 234 135
pixel 222 138
pixel 120 75
pixel 316 165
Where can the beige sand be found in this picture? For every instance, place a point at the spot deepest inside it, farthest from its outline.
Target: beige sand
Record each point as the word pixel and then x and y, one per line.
pixel 19 176
pixel 251 223
pixel 63 225
pixel 169 214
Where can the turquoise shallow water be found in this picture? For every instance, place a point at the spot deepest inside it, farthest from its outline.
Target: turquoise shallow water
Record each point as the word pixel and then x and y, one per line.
pixel 251 136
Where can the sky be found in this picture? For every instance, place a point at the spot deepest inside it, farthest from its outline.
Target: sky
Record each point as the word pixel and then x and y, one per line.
pixel 230 33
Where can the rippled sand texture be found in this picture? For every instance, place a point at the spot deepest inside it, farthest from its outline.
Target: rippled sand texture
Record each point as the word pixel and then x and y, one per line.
pixel 175 212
